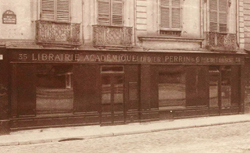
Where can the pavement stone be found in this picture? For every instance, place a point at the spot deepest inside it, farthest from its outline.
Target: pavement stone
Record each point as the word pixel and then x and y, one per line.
pixel 36 136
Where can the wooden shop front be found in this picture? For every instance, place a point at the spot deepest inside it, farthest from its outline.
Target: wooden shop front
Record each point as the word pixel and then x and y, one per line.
pixel 75 87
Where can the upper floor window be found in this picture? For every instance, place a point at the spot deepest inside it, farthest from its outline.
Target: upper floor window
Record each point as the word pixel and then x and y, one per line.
pixel 218 15
pixel 170 19
pixel 55 10
pixel 110 12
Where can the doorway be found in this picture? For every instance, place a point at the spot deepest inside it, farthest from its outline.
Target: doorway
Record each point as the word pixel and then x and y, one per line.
pixel 224 89
pixel 112 95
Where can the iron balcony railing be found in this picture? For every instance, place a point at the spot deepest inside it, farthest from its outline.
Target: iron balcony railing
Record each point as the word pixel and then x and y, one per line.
pixel 112 36
pixel 57 33
pixel 221 41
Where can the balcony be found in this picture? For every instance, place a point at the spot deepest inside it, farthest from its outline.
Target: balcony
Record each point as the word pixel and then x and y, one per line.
pixel 221 41
pixel 50 33
pixel 112 36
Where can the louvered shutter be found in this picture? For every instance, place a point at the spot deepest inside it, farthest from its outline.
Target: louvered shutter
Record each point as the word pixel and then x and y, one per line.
pixel 117 12
pixel 223 15
pixel 213 18
pixel 62 11
pixel 47 10
pixel 165 14
pixel 104 12
pixel 176 14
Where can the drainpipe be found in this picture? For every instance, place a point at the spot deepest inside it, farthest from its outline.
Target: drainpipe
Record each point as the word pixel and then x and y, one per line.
pixel 82 22
pixel 237 24
pixel 201 22
pixel 135 22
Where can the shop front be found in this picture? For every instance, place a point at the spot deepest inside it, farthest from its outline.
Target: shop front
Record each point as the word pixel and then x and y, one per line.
pixel 4 101
pixel 63 87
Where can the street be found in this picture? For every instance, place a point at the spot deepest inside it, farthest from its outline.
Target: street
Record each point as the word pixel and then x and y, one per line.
pixel 230 138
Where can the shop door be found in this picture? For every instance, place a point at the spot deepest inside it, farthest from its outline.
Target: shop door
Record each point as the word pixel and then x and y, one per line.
pixel 214 81
pixel 112 99
pixel 224 89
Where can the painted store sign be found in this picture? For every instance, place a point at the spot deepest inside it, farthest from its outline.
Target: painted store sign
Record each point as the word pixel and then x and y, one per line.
pixel 114 57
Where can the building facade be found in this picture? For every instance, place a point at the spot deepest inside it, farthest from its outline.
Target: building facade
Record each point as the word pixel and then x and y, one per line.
pixel 108 62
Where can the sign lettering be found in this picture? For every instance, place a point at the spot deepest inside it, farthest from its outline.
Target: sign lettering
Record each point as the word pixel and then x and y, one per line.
pixel 9 17
pixel 88 57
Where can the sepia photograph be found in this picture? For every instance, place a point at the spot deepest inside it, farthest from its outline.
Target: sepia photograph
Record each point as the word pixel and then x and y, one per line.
pixel 125 76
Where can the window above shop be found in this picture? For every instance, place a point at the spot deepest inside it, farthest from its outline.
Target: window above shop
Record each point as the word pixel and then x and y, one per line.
pixel 218 15
pixel 54 27
pixel 55 10
pixel 170 17
pixel 110 12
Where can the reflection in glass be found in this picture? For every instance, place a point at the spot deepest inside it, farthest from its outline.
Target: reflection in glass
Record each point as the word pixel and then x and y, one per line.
pixel 171 89
pixel 118 89
pixel 133 91
pixel 54 90
pixel 106 89
pixel 226 87
pixel 213 91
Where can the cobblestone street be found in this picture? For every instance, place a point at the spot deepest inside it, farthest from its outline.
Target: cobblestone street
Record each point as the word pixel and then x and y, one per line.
pixel 230 138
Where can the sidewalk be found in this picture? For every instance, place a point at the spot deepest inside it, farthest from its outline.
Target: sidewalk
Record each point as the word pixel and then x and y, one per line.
pixel 88 132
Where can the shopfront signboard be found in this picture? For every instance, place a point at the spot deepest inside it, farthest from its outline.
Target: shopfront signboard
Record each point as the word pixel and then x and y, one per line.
pixel 123 58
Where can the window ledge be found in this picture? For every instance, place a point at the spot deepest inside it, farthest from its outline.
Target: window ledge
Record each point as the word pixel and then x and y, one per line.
pixel 166 38
pixel 170 108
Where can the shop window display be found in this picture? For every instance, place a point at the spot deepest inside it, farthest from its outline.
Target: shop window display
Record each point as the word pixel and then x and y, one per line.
pixel 54 90
pixel 172 89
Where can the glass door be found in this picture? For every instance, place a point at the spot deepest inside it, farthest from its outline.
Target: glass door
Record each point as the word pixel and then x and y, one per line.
pixel 112 98
pixel 214 77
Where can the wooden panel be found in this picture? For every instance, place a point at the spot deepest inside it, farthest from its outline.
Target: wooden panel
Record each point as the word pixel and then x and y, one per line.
pixel 117 12
pixel 63 10
pixel 154 87
pixel 86 88
pixel 145 84
pixel 197 85
pixel 47 9
pixel 26 89
pixel 4 85
pixel 103 12
pixel 235 83
pixel 191 83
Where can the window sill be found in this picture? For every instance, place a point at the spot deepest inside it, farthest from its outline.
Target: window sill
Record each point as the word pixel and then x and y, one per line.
pixel 170 108
pixel 169 38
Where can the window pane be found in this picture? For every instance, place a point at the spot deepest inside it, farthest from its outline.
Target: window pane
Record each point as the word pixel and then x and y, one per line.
pixel 118 89
pixel 133 91
pixel 54 92
pixel 213 87
pixel 171 89
pixel 106 89
pixel 226 86
pixel 112 69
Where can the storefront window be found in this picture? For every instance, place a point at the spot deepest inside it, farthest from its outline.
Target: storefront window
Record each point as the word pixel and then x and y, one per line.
pixel 112 84
pixel 171 89
pixel 214 75
pixel 226 86
pixel 54 90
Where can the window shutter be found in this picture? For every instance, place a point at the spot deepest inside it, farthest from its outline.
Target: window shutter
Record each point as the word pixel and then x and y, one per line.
pixel 165 14
pixel 47 10
pixel 176 14
pixel 104 12
pixel 223 15
pixel 63 10
pixel 117 12
pixel 213 15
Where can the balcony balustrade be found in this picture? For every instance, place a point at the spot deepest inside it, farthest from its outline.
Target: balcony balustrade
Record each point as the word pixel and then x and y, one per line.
pixel 112 36
pixel 57 33
pixel 221 41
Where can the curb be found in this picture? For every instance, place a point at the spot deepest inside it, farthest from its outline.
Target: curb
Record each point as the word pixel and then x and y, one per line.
pixel 62 139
